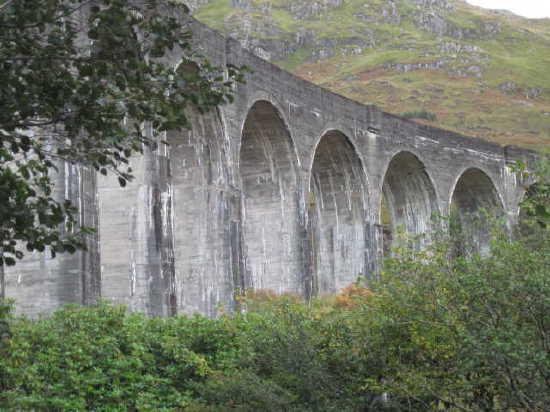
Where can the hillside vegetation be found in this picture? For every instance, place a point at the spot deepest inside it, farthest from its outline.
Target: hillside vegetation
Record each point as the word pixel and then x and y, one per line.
pixel 479 72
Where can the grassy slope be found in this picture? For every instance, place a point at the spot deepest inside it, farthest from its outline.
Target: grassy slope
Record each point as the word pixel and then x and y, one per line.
pixel 468 104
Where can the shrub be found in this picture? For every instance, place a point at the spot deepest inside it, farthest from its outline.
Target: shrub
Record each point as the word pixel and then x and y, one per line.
pixel 432 333
pixel 100 359
pixel 352 296
pixel 470 333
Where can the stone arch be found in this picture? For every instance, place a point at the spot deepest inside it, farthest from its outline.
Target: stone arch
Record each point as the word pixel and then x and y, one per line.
pixel 270 218
pixel 474 207
pixel 261 96
pixel 338 215
pixel 409 200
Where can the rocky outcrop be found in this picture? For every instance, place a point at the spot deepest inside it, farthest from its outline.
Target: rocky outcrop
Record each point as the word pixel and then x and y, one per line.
pixel 258 29
pixel 436 39
pixel 327 47
pixel 512 88
pixel 311 9
pixel 195 4
pixel 440 26
pixel 261 36
pixel 242 4
pixel 533 93
pixel 508 87
pixel 388 14
pixel 408 67
pixel 439 5
pixel 456 49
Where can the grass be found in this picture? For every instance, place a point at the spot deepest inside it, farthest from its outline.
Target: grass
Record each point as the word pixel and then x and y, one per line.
pixel 215 13
pixel 520 52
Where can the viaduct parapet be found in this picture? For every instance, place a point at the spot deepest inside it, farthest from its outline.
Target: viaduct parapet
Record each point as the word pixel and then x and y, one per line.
pixel 282 190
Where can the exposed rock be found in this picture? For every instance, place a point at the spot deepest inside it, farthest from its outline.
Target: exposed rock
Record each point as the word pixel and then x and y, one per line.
pixel 390 13
pixel 446 36
pixel 311 9
pixel 508 87
pixel 261 36
pixel 304 37
pixel 467 67
pixel 491 28
pixel 522 103
pixel 242 4
pixel 533 93
pixel 459 48
pixel 327 47
pixel 321 54
pixel 436 24
pixel 407 67
pixel 366 17
pixel 440 5
pixel 195 4
pixel 355 78
pixel 475 70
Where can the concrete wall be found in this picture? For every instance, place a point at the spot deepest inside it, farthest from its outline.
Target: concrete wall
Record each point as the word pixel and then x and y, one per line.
pixel 280 190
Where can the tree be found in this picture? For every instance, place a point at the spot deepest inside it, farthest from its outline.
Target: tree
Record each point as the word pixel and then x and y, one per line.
pixel 80 80
pixel 536 202
pixel 464 334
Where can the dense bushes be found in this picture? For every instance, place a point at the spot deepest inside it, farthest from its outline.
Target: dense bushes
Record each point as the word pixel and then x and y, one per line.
pixel 431 334
pixel 467 334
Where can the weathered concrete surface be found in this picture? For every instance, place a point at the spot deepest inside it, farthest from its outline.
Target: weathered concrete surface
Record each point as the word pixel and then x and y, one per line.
pixel 41 284
pixel 280 190
pixel 200 212
pixel 410 197
pixel 474 205
pixel 337 214
pixel 269 201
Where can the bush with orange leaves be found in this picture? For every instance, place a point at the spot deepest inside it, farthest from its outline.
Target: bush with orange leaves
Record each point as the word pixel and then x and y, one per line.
pixel 353 296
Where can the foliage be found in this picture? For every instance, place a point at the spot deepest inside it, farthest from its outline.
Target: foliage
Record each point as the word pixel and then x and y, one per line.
pixel 87 82
pixel 464 334
pixel 352 296
pixel 106 360
pixel 536 202
pixel 432 333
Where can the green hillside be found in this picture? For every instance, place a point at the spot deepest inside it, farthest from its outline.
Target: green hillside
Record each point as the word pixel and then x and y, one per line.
pixel 482 73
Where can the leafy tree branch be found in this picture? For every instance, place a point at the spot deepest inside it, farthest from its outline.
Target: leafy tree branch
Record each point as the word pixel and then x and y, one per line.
pixel 81 79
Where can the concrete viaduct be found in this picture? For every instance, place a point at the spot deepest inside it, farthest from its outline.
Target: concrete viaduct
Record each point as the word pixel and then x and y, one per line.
pixel 281 190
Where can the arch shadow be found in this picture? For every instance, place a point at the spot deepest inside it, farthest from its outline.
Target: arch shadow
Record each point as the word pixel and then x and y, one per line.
pixel 475 209
pixel 338 215
pixel 272 255
pixel 409 201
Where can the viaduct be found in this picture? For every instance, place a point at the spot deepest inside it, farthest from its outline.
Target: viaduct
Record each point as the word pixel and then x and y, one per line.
pixel 281 190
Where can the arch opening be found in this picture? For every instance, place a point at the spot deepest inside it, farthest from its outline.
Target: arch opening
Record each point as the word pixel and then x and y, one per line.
pixel 474 211
pixel 409 202
pixel 337 215
pixel 271 236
